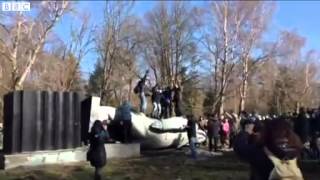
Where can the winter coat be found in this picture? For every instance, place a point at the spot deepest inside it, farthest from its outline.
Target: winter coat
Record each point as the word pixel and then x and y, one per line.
pixel 225 127
pixel 167 95
pixel 301 127
pixel 156 95
pixel 191 129
pixel 177 95
pixel 213 128
pixel 97 152
pixel 314 154
pixel 123 112
pixel 315 124
pixel 141 84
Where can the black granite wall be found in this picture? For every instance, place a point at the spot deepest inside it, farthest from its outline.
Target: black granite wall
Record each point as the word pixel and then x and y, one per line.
pixel 42 120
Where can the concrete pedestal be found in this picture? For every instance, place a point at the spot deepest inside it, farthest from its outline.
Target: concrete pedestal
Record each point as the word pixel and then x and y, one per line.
pixel 66 156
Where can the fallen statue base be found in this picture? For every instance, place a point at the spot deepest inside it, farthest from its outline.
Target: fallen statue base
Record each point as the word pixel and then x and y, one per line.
pixel 66 156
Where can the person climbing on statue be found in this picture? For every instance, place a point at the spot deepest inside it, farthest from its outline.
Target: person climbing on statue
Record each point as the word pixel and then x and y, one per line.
pixel 177 97
pixel 166 102
pixel 123 116
pixel 155 98
pixel 140 90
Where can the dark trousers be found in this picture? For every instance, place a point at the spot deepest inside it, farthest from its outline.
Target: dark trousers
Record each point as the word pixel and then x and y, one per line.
pixel 167 111
pixel 215 143
pixel 232 137
pixel 177 109
pixel 127 125
pixel 97 173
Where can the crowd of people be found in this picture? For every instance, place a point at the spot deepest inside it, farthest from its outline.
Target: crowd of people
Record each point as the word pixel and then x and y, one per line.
pixel 165 100
pixel 262 141
pixel 222 129
pixel 266 142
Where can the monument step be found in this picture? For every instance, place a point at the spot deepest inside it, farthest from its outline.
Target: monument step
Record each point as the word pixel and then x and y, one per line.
pixel 65 156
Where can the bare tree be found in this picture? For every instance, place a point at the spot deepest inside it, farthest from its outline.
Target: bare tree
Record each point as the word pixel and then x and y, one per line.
pixel 79 47
pixel 251 22
pixel 220 42
pixel 169 40
pixel 116 46
pixel 26 37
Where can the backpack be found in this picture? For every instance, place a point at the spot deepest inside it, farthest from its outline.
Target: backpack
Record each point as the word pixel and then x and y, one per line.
pixel 283 169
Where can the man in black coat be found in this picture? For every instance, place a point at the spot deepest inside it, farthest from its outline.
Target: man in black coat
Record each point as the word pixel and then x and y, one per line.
pixel 140 89
pixel 192 134
pixel 166 102
pixel 301 125
pixel 177 100
pixel 213 132
pixel 97 152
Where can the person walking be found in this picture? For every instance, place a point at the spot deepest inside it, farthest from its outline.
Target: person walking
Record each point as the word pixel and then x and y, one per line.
pixel 97 153
pixel 192 135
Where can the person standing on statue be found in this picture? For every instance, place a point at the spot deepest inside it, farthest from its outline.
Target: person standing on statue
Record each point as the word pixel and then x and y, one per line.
pixel 97 153
pixel 140 89
pixel 177 99
pixel 167 102
pixel 155 98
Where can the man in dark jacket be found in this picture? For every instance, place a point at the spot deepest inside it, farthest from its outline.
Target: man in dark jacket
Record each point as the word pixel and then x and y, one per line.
pixel 166 102
pixel 97 152
pixel 140 89
pixel 301 125
pixel 213 132
pixel 192 134
pixel 315 123
pixel 177 100
pixel 123 116
pixel 155 98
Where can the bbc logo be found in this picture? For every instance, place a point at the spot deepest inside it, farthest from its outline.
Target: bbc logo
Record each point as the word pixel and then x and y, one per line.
pixel 16 6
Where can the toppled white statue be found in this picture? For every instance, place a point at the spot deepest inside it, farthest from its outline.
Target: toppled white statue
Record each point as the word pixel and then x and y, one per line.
pixel 152 133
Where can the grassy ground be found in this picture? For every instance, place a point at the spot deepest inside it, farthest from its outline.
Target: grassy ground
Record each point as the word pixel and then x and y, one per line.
pixel 160 165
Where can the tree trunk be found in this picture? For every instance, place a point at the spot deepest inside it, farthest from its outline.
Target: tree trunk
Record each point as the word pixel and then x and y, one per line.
pixel 31 60
pixel 224 60
pixel 244 85
pixel 130 90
